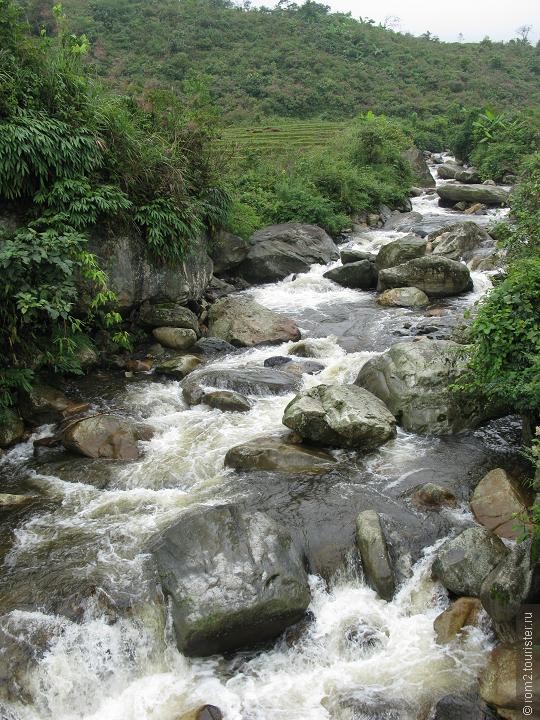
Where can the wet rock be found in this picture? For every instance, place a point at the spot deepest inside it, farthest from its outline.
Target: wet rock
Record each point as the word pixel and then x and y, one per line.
pixel 371 545
pixel 403 297
pixel 280 250
pixel 167 314
pixel 351 255
pixel 205 712
pixel 486 194
pixel 448 170
pixel 498 681
pixel 248 381
pixel 463 563
pixel 103 436
pixel 458 707
pixel 476 209
pixel 217 289
pixel 468 176
pixel 44 404
pixel 433 497
pixel 483 262
pixel 294 367
pixel 306 348
pixel 275 454
pixel 496 501
pixel 212 346
pixel 341 416
pixel 175 338
pixel 436 276
pixel 464 612
pixel 459 241
pixel 10 503
pixel 228 252
pixel 360 275
pixel 135 278
pixel 403 222
pixel 138 366
pixel 178 367
pixel 514 582
pixel 235 579
pixel 417 161
pixel 413 379
pixel 400 251
pixel 11 429
pixel 227 400
pixel 245 323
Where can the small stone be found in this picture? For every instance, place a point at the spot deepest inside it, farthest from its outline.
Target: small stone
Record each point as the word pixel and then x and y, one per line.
pixel 433 497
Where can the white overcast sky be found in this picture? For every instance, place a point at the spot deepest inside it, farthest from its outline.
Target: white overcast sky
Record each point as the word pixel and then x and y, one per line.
pixel 473 18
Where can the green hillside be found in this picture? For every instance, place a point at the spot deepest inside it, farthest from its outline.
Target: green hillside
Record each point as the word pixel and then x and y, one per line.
pixel 297 61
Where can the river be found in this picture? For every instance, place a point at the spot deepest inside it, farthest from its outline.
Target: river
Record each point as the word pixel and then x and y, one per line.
pixel 78 586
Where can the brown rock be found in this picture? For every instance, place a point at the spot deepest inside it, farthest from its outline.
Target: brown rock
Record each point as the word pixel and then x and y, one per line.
pixel 103 436
pixel 498 681
pixel 473 209
pixel 496 501
pixel 464 612
pixel 433 496
pixel 205 712
pixel 138 365
pixel 45 404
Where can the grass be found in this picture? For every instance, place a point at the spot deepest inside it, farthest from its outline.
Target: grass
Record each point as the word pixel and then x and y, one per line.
pixel 280 137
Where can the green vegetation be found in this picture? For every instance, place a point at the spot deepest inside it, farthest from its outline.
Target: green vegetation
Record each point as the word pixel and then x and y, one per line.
pixel 360 169
pixel 73 156
pixel 297 60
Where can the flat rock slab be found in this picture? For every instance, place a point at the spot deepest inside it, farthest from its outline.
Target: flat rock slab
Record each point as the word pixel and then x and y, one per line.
pixel 276 454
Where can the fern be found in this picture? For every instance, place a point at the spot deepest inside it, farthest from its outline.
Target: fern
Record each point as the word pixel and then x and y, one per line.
pixel 170 230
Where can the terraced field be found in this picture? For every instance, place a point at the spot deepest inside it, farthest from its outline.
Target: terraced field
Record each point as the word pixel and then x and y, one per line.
pixel 280 138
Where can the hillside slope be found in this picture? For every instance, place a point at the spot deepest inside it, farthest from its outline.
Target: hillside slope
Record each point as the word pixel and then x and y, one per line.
pixel 299 62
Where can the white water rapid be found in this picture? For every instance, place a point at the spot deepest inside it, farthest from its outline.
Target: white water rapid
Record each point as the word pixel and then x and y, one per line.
pixel 358 658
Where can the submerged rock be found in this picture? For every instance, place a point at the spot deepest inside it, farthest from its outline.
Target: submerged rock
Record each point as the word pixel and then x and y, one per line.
pixel 413 379
pixel 234 578
pixel 403 297
pixel 248 381
pixel 174 337
pixel 280 250
pixel 276 454
pixel 433 497
pixel 244 323
pixel 464 612
pixel 360 275
pixel 341 416
pixel 400 251
pixel 486 194
pixel 498 502
pixel 436 276
pixel 463 563
pixel 103 436
pixel 371 545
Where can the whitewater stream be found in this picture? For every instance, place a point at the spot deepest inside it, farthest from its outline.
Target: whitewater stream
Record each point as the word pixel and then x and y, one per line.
pixel 79 602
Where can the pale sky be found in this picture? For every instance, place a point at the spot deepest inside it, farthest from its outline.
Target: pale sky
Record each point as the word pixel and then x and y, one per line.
pixel 473 18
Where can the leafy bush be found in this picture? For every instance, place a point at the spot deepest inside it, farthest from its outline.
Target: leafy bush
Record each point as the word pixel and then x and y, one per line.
pixel 524 236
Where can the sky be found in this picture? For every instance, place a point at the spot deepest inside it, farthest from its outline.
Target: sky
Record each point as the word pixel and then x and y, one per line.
pixel 474 19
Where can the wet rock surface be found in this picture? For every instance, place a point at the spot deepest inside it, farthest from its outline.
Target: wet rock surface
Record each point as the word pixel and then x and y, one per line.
pixel 371 545
pixel 235 579
pixel 498 503
pixel 400 251
pixel 244 323
pixel 103 436
pixel 248 381
pixel 361 275
pixel 276 454
pixel 436 276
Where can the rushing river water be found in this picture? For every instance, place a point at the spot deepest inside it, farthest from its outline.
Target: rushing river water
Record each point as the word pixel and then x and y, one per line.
pixel 79 594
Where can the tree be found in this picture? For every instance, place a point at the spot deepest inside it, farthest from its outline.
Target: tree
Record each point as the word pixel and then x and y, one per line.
pixel 523 32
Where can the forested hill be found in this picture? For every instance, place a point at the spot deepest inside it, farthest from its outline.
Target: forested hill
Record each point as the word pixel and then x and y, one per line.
pixel 296 61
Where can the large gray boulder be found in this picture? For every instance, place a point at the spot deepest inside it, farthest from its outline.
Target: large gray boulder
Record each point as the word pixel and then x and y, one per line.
pixel 167 314
pixel 176 338
pixel 448 170
pixel 422 176
pixel 512 583
pixel 234 579
pixel 468 175
pixel 341 416
pixel 135 278
pixel 413 380
pixel 371 545
pixel 244 323
pixel 276 454
pixel 103 436
pixel 400 251
pixel 487 194
pixel 436 276
pixel 247 381
pixel 228 251
pixel 360 275
pixel 403 222
pixel 463 563
pixel 459 241
pixel 280 250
